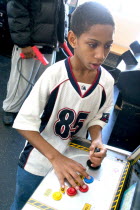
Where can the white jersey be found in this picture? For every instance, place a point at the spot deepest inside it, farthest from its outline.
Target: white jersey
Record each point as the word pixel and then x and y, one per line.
pixel 60 107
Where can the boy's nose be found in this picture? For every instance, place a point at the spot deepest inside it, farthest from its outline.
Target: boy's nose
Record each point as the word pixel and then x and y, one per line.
pixel 100 54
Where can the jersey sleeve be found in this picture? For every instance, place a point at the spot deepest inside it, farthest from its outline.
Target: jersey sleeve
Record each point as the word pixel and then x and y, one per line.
pixel 28 117
pixel 102 116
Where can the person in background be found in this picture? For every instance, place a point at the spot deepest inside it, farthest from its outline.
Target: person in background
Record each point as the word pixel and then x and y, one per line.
pixel 71 97
pixel 32 23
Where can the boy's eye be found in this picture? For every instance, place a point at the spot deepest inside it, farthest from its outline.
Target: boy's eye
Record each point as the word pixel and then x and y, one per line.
pixel 107 46
pixel 93 45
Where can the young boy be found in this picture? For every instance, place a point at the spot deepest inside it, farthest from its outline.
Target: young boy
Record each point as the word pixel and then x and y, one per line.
pixel 71 97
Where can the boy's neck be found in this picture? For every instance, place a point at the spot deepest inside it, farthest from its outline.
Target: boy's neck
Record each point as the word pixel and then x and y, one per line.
pixel 81 74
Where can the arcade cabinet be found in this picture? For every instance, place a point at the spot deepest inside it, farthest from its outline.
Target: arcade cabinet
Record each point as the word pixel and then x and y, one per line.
pixel 126 130
pixel 112 186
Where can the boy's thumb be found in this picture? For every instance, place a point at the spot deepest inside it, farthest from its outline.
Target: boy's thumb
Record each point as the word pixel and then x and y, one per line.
pixel 91 150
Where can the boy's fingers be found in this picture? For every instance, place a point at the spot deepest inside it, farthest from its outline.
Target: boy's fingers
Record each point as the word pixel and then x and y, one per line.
pixel 75 181
pixel 96 161
pixel 78 178
pixel 69 178
pixel 61 181
pixel 97 158
pixel 91 150
pixel 72 182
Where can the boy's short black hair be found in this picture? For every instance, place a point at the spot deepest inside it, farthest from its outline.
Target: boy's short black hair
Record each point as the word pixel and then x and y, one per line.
pixel 89 14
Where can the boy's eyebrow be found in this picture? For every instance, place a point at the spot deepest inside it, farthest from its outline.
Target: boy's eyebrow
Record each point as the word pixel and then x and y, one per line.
pixel 90 39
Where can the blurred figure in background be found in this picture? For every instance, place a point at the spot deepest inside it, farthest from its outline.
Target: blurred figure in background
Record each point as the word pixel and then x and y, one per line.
pixel 32 23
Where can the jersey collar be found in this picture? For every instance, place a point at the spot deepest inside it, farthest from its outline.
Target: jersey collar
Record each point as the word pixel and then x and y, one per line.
pixel 75 83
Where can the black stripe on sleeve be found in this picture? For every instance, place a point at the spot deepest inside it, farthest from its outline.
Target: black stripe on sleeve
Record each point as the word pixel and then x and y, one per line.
pixel 103 99
pixel 25 154
pixel 48 109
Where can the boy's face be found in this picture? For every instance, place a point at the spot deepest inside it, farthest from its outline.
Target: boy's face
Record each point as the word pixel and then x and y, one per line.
pixel 93 46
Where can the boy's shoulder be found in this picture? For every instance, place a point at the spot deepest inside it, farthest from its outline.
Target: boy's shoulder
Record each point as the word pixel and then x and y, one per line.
pixel 106 77
pixel 58 64
pixel 57 68
pixel 54 75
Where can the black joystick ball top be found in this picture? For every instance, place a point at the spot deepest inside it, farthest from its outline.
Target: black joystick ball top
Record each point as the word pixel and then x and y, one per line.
pixel 91 167
pixel 89 162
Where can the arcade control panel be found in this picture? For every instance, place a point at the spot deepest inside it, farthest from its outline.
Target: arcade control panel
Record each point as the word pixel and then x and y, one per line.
pixel 102 191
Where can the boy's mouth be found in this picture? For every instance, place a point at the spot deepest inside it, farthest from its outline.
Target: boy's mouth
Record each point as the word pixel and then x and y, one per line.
pixel 95 65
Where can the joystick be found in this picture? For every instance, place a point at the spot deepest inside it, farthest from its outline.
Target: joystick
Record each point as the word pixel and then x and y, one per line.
pixel 89 161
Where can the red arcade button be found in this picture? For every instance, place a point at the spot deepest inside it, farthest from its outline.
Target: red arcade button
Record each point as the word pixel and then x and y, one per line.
pixel 84 189
pixel 71 191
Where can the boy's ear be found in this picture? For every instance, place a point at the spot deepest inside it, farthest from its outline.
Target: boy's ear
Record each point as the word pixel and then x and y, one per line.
pixel 72 38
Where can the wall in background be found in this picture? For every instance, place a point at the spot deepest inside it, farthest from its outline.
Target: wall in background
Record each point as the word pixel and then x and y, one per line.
pixel 127 30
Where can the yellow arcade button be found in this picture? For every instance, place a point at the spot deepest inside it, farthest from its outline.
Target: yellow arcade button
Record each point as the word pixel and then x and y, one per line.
pixel 57 196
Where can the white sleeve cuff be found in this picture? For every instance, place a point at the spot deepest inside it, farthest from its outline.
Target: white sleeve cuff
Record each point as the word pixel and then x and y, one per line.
pixel 96 122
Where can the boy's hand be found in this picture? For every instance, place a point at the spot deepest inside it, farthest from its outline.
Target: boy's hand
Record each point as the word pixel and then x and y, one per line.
pixel 70 170
pixel 97 157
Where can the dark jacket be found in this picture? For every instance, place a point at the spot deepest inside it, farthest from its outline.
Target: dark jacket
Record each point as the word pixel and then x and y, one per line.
pixel 36 22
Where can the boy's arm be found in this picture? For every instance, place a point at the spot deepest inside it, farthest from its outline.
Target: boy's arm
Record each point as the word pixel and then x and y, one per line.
pixel 96 138
pixel 28 122
pixel 65 168
pixel 95 127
